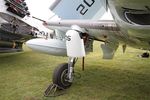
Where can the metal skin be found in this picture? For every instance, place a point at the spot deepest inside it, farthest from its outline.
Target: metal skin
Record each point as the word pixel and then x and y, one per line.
pixel 119 31
pixel 126 29
pixel 135 35
pixel 11 40
pixel 49 46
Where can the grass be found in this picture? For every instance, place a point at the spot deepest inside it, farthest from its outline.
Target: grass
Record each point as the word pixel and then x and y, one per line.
pixel 25 76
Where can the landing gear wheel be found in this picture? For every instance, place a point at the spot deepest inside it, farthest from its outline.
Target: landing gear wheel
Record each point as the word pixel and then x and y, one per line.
pixel 60 76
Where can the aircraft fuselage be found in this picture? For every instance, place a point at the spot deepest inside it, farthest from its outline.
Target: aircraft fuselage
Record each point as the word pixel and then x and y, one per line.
pixel 133 18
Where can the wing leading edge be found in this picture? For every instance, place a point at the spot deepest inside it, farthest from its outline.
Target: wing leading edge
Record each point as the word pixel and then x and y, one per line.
pixel 109 25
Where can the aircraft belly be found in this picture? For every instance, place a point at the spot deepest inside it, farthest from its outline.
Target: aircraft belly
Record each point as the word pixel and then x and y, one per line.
pixel 105 35
pixel 136 34
pixel 139 33
pixel 135 4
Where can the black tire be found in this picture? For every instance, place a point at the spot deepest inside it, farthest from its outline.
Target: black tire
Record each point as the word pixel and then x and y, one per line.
pixel 60 76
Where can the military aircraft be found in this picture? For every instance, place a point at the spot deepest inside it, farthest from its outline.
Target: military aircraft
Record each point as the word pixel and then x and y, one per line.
pixel 10 41
pixel 13 30
pixel 80 26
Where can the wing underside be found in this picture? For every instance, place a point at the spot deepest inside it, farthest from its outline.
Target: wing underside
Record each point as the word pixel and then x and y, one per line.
pixel 102 30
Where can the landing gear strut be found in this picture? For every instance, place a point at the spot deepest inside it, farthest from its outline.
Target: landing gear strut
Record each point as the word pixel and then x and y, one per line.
pixel 62 76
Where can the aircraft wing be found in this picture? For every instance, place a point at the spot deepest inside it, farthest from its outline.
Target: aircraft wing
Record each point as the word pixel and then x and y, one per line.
pixel 75 12
pixel 87 24
pixel 101 30
pixel 79 9
pixel 85 15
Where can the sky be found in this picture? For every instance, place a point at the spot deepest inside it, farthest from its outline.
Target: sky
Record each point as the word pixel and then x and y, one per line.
pixel 40 8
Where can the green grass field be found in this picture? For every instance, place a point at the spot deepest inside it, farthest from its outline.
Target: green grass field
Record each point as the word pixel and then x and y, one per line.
pixel 25 76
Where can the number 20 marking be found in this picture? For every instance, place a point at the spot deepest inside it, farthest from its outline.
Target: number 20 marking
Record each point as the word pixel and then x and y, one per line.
pixel 82 7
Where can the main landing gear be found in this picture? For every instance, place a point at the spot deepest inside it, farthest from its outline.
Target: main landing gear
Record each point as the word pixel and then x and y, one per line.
pixel 64 74
pixel 62 78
